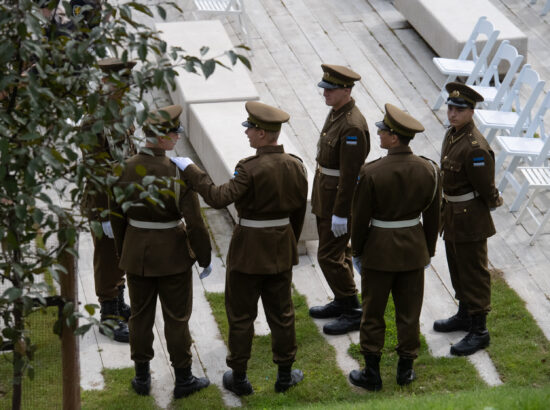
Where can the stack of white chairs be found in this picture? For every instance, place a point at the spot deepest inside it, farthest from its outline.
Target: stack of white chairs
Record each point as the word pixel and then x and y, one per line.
pixel 514 116
pixel 545 9
pixel 491 88
pixel 533 148
pixel 226 8
pixel 469 60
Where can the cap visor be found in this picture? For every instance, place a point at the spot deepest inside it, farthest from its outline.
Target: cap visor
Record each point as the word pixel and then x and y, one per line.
pixel 382 125
pixel 248 124
pixel 330 86
pixel 460 104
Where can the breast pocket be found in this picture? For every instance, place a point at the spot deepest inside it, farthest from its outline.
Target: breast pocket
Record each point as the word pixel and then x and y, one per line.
pixel 451 172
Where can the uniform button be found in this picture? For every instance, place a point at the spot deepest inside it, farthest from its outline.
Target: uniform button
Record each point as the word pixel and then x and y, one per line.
pixel 445 157
pixel 465 210
pixel 324 133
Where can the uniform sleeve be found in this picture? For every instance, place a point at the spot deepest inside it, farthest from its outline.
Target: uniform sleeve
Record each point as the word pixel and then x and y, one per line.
pixel 361 213
pixel 431 215
pixel 297 217
pixel 480 168
pixel 217 196
pixel 354 148
pixel 199 239
pixel 118 224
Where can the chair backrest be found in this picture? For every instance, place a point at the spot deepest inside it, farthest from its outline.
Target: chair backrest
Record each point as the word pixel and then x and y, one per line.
pixel 505 53
pixel 485 27
pixel 513 101
pixel 537 127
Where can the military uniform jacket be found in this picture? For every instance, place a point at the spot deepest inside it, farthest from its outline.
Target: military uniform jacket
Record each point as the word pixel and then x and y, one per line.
pixel 268 185
pixel 467 165
pixel 343 145
pixel 160 252
pixel 398 187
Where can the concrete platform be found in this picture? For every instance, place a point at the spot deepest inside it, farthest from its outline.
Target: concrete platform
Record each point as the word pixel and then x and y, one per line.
pixel 216 133
pixel 446 24
pixel 232 84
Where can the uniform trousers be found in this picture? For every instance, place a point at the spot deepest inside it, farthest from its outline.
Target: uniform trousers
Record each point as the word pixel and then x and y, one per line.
pixel 242 292
pixel 176 297
pixel 407 289
pixel 107 275
pixel 468 266
pixel 334 257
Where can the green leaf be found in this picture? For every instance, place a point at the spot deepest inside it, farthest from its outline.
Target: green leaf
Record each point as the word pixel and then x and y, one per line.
pixel 232 56
pixel 93 100
pixel 245 61
pixel 162 12
pixel 13 294
pixel 204 50
pixel 82 329
pixel 96 228
pixel 90 309
pixel 208 67
pixel 142 51
pixel 148 179
pixel 141 170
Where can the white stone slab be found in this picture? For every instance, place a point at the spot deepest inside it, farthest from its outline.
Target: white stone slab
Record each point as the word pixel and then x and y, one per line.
pixel 216 133
pixel 447 24
pixel 232 84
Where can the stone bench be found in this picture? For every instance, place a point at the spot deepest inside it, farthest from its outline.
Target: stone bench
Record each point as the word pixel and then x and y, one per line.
pixel 217 136
pixel 446 24
pixel 232 84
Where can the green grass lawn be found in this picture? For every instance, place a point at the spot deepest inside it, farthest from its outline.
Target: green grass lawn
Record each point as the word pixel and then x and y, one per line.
pixel 518 349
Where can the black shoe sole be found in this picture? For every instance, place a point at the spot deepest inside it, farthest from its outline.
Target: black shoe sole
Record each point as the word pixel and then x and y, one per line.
pixel 454 352
pixel 369 387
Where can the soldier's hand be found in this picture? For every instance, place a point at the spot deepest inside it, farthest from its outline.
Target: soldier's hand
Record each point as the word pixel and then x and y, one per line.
pixel 205 272
pixel 107 229
pixel 357 263
pixel 182 162
pixel 339 226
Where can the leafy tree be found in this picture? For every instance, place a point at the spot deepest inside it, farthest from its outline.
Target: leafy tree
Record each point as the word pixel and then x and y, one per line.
pixel 53 105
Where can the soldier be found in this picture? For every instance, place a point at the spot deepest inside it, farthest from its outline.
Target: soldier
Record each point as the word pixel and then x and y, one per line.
pixel 269 190
pixel 390 245
pixel 342 148
pixel 468 174
pixel 158 250
pixel 108 277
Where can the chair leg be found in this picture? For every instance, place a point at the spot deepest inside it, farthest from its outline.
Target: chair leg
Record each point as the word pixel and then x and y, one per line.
pixel 520 197
pixel 491 135
pixel 509 171
pixel 527 206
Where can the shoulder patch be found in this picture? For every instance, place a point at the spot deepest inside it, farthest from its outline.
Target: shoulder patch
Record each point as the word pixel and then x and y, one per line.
pixel 351 140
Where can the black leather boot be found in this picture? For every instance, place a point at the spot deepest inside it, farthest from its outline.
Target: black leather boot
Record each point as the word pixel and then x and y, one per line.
pixel 237 383
pixel 335 308
pixel 460 321
pixel 345 323
pixel 368 378
pixel 405 371
pixel 286 378
pixel 187 384
pixel 123 308
pixel 477 338
pixel 109 312
pixel 141 383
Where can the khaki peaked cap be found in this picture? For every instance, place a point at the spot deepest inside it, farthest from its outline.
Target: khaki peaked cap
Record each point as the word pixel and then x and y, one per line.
pixel 264 116
pixel 460 95
pixel 165 116
pixel 399 122
pixel 337 76
pixel 115 64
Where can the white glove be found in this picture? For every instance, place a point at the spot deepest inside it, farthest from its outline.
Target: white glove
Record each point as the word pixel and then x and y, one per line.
pixel 205 272
pixel 182 162
pixel 107 229
pixel 357 263
pixel 339 226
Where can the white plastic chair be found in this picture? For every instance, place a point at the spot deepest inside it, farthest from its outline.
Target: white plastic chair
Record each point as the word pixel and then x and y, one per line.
pixel 545 9
pixel 491 88
pixel 528 148
pixel 513 117
pixel 463 66
pixel 227 8
pixel 537 178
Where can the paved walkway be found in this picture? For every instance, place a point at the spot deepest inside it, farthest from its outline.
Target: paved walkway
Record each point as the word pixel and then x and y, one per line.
pixel 291 38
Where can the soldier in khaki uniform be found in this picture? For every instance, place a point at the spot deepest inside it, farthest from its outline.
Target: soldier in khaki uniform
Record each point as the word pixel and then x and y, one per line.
pixel 342 148
pixel 158 250
pixel 269 190
pixel 390 245
pixel 468 174
pixel 108 277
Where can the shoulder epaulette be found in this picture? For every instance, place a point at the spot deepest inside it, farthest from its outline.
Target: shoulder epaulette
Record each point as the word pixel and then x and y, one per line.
pixel 242 161
pixel 295 156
